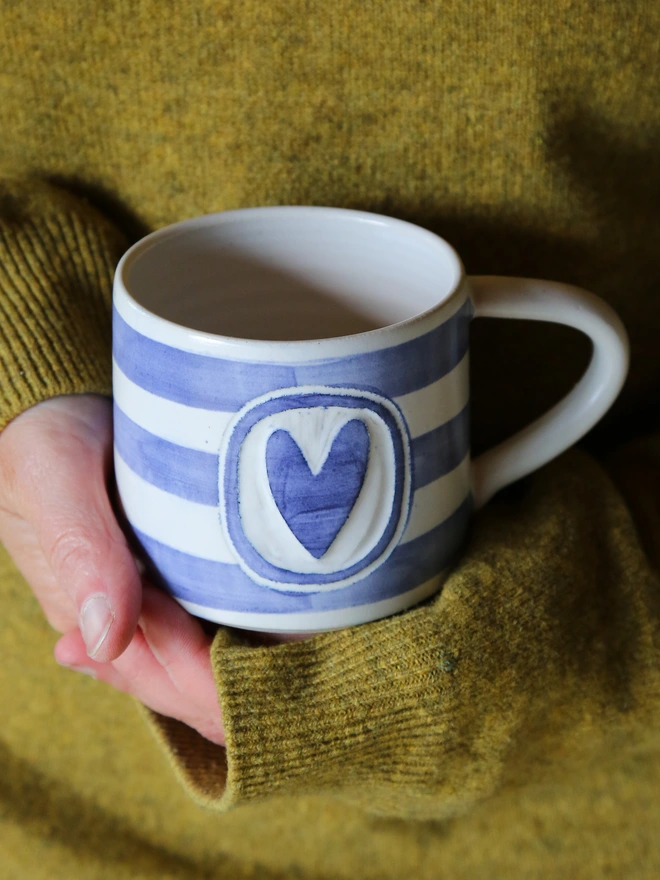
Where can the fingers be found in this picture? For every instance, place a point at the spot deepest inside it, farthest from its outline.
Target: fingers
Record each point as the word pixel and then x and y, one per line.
pixel 55 460
pixel 63 474
pixel 166 666
pixel 91 561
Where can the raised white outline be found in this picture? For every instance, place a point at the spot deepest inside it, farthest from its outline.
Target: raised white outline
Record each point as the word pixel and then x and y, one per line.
pixel 287 587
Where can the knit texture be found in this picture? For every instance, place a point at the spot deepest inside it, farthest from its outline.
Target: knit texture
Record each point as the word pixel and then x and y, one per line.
pixel 57 257
pixel 508 726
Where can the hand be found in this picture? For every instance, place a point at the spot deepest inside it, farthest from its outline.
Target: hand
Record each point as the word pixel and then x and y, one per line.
pixel 57 522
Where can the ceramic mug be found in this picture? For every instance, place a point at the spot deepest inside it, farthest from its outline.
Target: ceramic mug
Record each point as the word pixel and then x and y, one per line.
pixel 291 399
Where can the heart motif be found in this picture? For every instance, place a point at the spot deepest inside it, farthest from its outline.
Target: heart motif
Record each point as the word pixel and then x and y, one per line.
pixel 316 506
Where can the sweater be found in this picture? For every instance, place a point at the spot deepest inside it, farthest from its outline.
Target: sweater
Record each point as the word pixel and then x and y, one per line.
pixel 509 725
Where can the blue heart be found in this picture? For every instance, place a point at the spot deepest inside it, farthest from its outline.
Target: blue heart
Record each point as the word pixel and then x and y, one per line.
pixel 316 507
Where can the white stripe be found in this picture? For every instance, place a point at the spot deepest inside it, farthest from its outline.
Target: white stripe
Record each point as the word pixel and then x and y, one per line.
pixel 434 503
pixel 195 528
pixel 181 524
pixel 434 405
pixel 202 429
pixel 318 621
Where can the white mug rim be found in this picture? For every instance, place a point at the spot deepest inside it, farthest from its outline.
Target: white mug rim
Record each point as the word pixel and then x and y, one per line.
pixel 166 330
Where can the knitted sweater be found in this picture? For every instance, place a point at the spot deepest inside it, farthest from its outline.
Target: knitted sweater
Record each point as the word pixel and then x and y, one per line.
pixel 506 727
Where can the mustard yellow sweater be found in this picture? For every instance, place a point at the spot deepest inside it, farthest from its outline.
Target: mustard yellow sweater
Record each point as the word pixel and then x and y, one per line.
pixel 509 727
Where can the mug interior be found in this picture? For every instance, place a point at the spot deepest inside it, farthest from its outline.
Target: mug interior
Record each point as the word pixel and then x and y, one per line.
pixel 291 273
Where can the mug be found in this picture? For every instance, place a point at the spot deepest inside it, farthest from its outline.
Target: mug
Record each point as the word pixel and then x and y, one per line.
pixel 291 410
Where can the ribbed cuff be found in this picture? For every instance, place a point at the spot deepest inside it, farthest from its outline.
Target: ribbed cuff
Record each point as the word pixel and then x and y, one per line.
pixel 199 765
pixel 352 714
pixel 57 258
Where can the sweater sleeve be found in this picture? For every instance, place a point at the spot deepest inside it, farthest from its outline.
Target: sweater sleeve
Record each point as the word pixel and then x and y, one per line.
pixel 546 635
pixel 57 258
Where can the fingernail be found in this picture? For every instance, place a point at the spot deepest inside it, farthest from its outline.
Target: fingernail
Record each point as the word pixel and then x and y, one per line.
pixel 96 618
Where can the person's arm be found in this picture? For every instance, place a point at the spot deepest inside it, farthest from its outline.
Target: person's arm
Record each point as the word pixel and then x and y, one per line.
pixel 57 258
pixel 544 639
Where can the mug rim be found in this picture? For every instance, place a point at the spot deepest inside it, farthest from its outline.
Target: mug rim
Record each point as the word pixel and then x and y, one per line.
pixel 291 347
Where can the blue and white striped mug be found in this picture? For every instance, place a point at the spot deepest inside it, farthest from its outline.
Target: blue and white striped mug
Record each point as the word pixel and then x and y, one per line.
pixel 292 410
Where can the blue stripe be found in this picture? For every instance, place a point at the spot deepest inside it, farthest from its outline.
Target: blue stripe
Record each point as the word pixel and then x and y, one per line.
pixel 441 450
pixel 187 473
pixel 225 385
pixel 193 474
pixel 219 585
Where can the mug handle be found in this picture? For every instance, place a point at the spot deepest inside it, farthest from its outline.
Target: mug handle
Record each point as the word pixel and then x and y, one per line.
pixel 580 409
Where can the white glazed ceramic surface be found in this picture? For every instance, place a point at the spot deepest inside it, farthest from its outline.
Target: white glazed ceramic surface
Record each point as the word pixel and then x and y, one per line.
pixel 291 410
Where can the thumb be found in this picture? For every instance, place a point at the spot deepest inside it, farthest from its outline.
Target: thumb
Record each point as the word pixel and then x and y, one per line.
pixel 80 538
